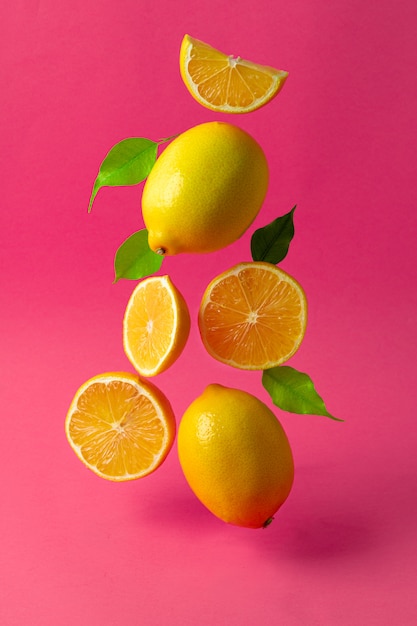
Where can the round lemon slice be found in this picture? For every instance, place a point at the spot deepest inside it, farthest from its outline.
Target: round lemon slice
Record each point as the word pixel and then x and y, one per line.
pixel 253 316
pixel 119 426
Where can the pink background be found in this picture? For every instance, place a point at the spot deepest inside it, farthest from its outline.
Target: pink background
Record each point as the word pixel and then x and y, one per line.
pixel 76 77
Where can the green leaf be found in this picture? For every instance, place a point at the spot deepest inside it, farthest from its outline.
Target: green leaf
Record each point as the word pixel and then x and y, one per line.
pixel 294 391
pixel 134 259
pixel 128 163
pixel 271 242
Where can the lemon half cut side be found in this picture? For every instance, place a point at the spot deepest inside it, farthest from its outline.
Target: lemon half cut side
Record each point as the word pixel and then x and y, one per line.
pixel 156 325
pixel 121 427
pixel 253 316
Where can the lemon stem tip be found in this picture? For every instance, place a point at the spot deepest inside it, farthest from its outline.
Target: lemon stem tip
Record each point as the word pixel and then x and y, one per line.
pixel 267 522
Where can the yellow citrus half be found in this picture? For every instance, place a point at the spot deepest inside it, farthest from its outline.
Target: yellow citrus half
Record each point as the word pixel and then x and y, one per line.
pixel 119 426
pixel 226 83
pixel 156 325
pixel 204 190
pixel 253 316
pixel 235 456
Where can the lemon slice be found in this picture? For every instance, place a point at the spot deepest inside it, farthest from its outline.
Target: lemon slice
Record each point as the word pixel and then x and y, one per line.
pixel 226 83
pixel 119 426
pixel 253 316
pixel 156 325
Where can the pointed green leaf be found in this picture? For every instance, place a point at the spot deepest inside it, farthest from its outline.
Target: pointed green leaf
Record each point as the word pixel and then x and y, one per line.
pixel 128 163
pixel 271 242
pixel 134 259
pixel 294 391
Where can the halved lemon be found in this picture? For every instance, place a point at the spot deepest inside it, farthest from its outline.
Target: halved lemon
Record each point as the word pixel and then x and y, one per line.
pixel 156 325
pixel 253 316
pixel 226 83
pixel 119 426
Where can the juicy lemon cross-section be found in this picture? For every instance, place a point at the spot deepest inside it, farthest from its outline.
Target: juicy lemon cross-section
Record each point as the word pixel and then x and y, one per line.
pixel 226 83
pixel 122 428
pixel 253 316
pixel 156 325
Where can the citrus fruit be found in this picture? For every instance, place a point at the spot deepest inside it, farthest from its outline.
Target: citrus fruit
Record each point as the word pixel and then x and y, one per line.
pixel 156 325
pixel 204 190
pixel 119 426
pixel 235 456
pixel 226 83
pixel 253 316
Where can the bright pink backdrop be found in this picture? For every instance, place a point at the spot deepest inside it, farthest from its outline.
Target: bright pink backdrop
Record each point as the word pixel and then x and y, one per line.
pixel 75 78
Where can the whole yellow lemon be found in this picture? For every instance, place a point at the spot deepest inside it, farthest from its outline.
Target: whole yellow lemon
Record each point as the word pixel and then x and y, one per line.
pixel 235 456
pixel 204 190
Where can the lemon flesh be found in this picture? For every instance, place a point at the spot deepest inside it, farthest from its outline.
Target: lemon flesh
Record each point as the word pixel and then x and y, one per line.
pixel 156 325
pixel 205 190
pixel 226 83
pixel 120 426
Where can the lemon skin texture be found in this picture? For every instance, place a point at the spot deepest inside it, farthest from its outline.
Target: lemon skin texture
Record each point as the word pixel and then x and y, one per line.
pixel 204 190
pixel 235 456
